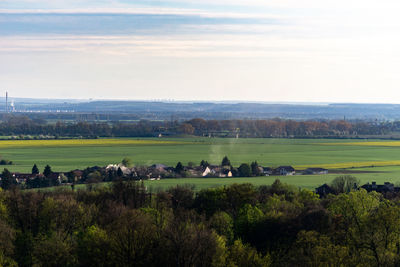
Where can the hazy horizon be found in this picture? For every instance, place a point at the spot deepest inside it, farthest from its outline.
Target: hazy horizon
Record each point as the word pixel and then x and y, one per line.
pixel 201 50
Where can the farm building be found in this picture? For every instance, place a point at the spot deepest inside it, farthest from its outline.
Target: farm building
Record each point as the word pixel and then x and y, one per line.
pixel 386 187
pixel 284 170
pixel 267 171
pixel 324 190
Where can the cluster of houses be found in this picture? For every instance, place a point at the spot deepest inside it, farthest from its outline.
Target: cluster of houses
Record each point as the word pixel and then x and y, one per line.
pixel 157 171
pixel 153 172
pixel 387 187
pixel 55 177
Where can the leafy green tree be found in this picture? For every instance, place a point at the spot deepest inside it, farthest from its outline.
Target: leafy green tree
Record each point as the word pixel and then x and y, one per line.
pixel 248 217
pixel 132 239
pixel 211 200
pixel 244 170
pixel 314 249
pixel 127 162
pixel 47 171
pixel 35 169
pixel 181 196
pixel 222 223
pixel 7 179
pixel 244 255
pixel 53 250
pixel 355 210
pixel 238 195
pixel 94 247
pixel 7 238
pixel 345 184
pixel 226 162
pixel 189 244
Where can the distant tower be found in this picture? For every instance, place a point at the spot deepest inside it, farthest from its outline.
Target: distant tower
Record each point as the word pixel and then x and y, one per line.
pixel 6 102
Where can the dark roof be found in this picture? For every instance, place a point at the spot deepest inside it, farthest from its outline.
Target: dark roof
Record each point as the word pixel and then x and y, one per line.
pixel 159 166
pixel 324 190
pixel 386 187
pixel 288 168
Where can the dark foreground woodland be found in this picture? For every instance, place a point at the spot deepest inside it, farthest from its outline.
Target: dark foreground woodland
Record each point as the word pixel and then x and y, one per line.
pixel 240 225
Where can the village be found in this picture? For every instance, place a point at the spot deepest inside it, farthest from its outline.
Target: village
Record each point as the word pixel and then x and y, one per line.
pixel 125 171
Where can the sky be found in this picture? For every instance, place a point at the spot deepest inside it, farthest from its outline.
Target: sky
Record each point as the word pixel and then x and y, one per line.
pixel 243 50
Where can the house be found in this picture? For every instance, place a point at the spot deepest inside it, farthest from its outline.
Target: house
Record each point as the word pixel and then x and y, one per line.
pixel 324 190
pixel 225 173
pixel 267 171
pixel 285 170
pixel 212 170
pixel 159 167
pixel 115 167
pixel 76 174
pixel 386 187
pixel 315 171
pixel 23 177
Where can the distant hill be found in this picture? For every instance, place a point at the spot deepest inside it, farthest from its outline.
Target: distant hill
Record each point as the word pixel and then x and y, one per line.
pixel 209 110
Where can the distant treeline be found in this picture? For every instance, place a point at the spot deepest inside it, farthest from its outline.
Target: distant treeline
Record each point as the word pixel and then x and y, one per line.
pixel 227 128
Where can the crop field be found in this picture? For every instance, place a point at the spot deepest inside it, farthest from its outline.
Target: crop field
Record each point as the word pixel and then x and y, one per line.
pixel 367 160
pixel 82 143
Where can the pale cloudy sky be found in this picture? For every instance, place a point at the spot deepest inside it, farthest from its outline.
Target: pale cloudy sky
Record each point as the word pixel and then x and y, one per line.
pixel 279 50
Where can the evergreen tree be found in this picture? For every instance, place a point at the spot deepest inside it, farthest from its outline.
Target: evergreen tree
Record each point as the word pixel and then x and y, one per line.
pixel 47 171
pixel 226 161
pixel 35 169
pixel 255 168
pixel 119 172
pixel 179 167
pixel 6 179
pixel 204 164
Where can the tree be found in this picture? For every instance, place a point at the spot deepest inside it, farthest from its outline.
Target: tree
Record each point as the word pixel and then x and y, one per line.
pixel 181 196
pixel 255 169
pixel 94 177
pixel 314 249
pixel 244 170
pixel 127 162
pixel 244 255
pixel 222 223
pixel 120 172
pixel 35 169
pixel 132 239
pixel 186 128
pixel 226 161
pixel 6 179
pixel 204 164
pixel 344 184
pixel 47 171
pixel 93 247
pixel 179 168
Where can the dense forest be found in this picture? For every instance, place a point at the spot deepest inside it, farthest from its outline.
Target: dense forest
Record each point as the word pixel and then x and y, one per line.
pixel 19 125
pixel 127 224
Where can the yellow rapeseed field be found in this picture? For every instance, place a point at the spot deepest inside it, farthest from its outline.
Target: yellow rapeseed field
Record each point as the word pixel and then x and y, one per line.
pixel 82 142
pixel 367 143
pixel 346 165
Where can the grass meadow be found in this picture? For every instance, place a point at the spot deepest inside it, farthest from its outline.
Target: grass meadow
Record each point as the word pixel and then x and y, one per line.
pixel 368 159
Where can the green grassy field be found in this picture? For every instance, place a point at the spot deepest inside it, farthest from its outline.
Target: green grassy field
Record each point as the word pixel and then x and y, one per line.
pixel 65 155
